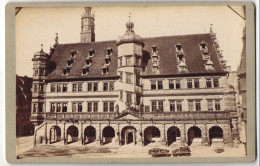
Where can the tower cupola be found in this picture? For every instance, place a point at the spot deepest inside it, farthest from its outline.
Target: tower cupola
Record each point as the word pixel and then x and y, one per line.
pixel 87 33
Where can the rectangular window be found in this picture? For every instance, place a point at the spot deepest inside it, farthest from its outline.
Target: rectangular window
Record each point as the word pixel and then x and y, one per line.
pixel 196 83
pixel 79 107
pixel 128 78
pixel 105 106
pixel 172 106
pixel 111 86
pixel 121 76
pixel 137 61
pixel 74 87
pixel 189 83
pixel 58 107
pixel 190 105
pixel 52 88
pixel 160 106
pixel 120 62
pixel 89 107
pixel 138 80
pixel 208 83
pixel 95 107
pixel 153 84
pixel 58 87
pixel 121 95
pixel 215 82
pixel 197 104
pixel 52 107
pixel 89 86
pixel 65 88
pixel 74 107
pixel 64 107
pixel 160 85
pixel 41 88
pixel 129 98
pixel 154 107
pixel 105 86
pixel 128 61
pixel 95 87
pixel 40 107
pixel 138 99
pixel 217 104
pixel 35 88
pixel 79 87
pixel 111 109
pixel 179 106
pixel 171 84
pixel 146 108
pixel 178 84
pixel 210 105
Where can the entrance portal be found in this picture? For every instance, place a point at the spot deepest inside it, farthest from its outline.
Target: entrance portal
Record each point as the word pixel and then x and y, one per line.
pixel 55 134
pixel 89 135
pixel 72 134
pixel 193 132
pixel 108 134
pixel 128 135
pixel 215 132
pixel 172 134
pixel 151 134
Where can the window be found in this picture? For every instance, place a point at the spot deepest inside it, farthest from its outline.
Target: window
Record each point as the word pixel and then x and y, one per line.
pixel 178 85
pixel 171 84
pixel 153 84
pixel 196 83
pixel 208 82
pixel 41 72
pixel 88 61
pixel 79 87
pixel 104 71
pixel 111 109
pixel 36 72
pixel 138 80
pixel 111 86
pixel 190 105
pixel 58 87
pixel 52 88
pixel 89 107
pixel 137 61
pixel 74 87
pixel 172 106
pixel 128 61
pixel 120 62
pixel 189 83
pixel 79 107
pixel 121 76
pixel 52 107
pixel 179 106
pixel 65 88
pixel 95 107
pixel 197 104
pixel 178 47
pixel 35 88
pixel 105 106
pixel 65 72
pixel 85 71
pixel 89 86
pixel 217 104
pixel 64 107
pixel 95 87
pixel 121 95
pixel 147 109
pixel 107 61
pixel 128 78
pixel 58 107
pixel 215 82
pixel 35 107
pixel 154 106
pixel 105 86
pixel 129 98
pixel 210 105
pixel 160 85
pixel 160 105
pixel 74 107
pixel 41 87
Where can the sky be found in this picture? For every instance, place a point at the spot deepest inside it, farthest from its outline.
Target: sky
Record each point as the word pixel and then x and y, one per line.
pixel 36 26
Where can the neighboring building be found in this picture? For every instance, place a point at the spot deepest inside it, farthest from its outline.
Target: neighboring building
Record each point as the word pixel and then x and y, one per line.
pixel 23 106
pixel 172 90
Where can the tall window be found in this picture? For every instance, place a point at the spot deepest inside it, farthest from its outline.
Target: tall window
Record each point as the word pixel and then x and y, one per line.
pixel 217 104
pixel 153 84
pixel 120 62
pixel 178 84
pixel 196 83
pixel 128 78
pixel 208 82
pixel 35 88
pixel 89 86
pixel 137 61
pixel 171 84
pixel 74 107
pixel 58 87
pixel 147 108
pixel 52 88
pixel 190 105
pixel 111 108
pixel 111 86
pixel 179 106
pixel 210 105
pixel 79 87
pixel 154 106
pixel 74 87
pixel 215 82
pixel 89 107
pixel 121 76
pixel 129 98
pixel 105 106
pixel 95 87
pixel 160 106
pixel 172 106
pixel 58 107
pixel 138 80
pixel 65 88
pixel 128 61
pixel 189 83
pixel 52 107
pixel 160 85
pixel 41 87
pixel 79 107
pixel 64 107
pixel 197 104
pixel 95 107
pixel 105 86
pixel 40 107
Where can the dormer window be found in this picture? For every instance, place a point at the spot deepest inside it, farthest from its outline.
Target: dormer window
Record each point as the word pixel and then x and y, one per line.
pixel 91 52
pixel 203 45
pixel 154 48
pixel 73 53
pixel 69 62
pixel 182 66
pixel 205 55
pixel 88 61
pixel 180 57
pixel 85 71
pixel 179 47
pixel 209 65
pixel 109 51
pixel 104 70
pixel 65 71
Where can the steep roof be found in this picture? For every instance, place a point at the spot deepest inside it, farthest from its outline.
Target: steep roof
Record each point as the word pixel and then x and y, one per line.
pixel 23 90
pixel 168 64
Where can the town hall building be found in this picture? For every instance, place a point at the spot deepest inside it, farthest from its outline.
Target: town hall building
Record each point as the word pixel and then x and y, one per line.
pixel 133 90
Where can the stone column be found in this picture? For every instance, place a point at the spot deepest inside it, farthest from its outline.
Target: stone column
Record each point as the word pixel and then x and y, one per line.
pixel 183 135
pixel 46 134
pixel 205 136
pixel 64 134
pixel 80 140
pixel 117 135
pixel 163 139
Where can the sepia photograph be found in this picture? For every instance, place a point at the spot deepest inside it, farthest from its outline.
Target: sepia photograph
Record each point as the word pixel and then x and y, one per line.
pixel 131 82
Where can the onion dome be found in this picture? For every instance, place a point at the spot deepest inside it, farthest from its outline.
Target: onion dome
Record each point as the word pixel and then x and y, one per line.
pixel 41 54
pixel 129 36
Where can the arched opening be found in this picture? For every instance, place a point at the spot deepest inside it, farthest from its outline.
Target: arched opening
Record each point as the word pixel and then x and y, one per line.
pixel 55 134
pixel 215 132
pixel 193 132
pixel 151 135
pixel 89 135
pixel 128 135
pixel 172 134
pixel 72 134
pixel 108 134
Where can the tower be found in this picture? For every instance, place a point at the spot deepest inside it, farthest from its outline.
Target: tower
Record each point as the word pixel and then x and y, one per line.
pixel 40 71
pixel 87 33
